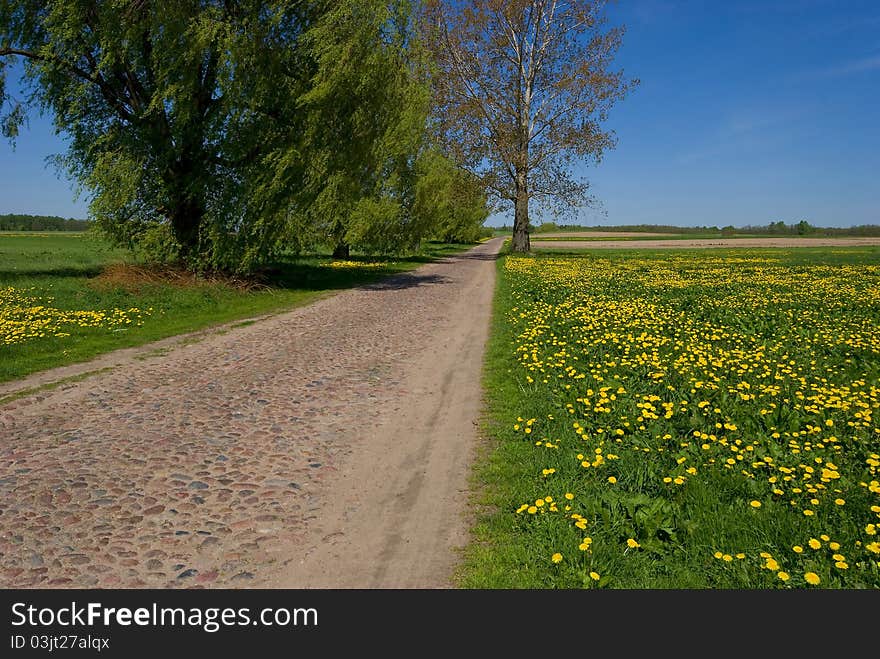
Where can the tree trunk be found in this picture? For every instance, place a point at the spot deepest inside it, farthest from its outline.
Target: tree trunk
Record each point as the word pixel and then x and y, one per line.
pixel 186 219
pixel 342 251
pixel 186 208
pixel 521 241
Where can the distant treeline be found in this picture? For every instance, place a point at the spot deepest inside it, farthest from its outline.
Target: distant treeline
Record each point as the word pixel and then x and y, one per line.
pixel 802 228
pixel 15 222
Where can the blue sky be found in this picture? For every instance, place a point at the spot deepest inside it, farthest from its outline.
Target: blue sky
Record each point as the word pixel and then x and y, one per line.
pixel 748 112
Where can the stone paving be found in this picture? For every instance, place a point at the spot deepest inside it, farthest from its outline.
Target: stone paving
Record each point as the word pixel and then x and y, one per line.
pixel 202 467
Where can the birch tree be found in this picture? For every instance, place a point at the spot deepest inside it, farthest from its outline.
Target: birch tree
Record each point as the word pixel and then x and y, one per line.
pixel 522 91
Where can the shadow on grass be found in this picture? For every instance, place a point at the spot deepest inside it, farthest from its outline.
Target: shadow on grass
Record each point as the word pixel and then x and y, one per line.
pixel 311 272
pixel 14 274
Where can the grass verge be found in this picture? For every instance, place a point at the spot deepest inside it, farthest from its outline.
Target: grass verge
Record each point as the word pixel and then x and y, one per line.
pixel 65 298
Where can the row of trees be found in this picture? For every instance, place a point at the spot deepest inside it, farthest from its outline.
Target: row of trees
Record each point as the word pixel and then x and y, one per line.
pixel 217 132
pixel 17 222
pixel 801 228
pixel 804 228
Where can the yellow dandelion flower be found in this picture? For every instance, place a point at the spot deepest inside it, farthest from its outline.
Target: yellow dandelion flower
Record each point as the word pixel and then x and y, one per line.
pixel 783 575
pixel 755 504
pixel 595 576
pixel 814 544
pixel 797 549
pixel 556 558
pixel 812 578
pixel 632 544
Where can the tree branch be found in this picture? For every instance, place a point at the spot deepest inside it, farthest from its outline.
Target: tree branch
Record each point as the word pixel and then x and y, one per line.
pixel 93 77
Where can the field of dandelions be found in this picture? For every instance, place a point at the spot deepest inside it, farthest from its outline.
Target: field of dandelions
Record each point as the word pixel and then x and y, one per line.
pixel 695 419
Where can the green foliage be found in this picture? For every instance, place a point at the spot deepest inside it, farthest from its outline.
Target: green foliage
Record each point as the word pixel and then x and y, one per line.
pixel 449 200
pixel 367 114
pixel 777 227
pixel 804 228
pixel 547 227
pixel 163 129
pixel 19 222
pixel 220 134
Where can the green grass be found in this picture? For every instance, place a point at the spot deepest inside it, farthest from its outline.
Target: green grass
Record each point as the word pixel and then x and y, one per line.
pixel 777 353
pixel 60 272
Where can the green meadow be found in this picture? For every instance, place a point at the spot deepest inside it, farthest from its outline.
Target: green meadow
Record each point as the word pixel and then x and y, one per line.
pixel 683 419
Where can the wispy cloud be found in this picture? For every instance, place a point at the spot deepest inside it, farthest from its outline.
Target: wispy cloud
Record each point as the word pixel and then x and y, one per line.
pixel 842 25
pixel 843 69
pixel 781 6
pixel 650 11
pixel 740 131
pixel 748 123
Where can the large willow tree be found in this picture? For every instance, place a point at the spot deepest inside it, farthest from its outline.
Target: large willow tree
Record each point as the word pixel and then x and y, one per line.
pixel 215 132
pixel 366 120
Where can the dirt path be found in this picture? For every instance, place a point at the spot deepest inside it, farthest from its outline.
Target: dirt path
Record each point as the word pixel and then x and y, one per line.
pixel 329 446
pixel 706 242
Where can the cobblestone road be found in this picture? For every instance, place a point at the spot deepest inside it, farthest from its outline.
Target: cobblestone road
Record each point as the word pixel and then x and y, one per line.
pixel 207 466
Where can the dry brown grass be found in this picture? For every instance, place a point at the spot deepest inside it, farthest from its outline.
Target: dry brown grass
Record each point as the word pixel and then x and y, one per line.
pixel 134 278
